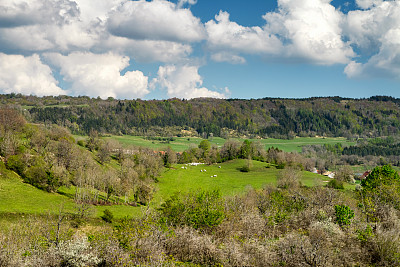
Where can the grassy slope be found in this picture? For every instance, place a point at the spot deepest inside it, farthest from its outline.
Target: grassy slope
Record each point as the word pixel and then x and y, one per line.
pixel 18 197
pixel 183 143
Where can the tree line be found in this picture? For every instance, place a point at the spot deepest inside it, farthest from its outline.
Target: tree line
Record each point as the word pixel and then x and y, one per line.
pixel 269 117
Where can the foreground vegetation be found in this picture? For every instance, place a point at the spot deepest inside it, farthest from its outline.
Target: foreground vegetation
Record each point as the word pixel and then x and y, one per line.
pixel 283 225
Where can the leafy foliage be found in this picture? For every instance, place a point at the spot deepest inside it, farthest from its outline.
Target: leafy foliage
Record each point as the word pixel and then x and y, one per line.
pixel 343 214
pixel 107 216
pixel 335 184
pixel 384 175
pixel 202 210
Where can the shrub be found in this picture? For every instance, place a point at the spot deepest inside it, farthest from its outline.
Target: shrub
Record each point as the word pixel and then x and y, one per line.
pixel 281 166
pixel 81 143
pixel 245 168
pixel 335 184
pixel 202 210
pixel 343 214
pixel 77 253
pixel 365 235
pixel 16 163
pixel 289 178
pixel 107 216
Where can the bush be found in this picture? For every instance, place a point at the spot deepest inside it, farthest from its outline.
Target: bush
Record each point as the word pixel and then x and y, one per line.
pixel 289 178
pixel 245 168
pixel 107 216
pixel 16 164
pixel 281 166
pixel 335 184
pixel 343 214
pixel 202 210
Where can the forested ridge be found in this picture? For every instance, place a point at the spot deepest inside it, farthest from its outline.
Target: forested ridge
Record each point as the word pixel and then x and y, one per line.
pixel 268 117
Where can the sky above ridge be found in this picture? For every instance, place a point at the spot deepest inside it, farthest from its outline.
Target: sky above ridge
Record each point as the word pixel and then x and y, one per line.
pixel 200 48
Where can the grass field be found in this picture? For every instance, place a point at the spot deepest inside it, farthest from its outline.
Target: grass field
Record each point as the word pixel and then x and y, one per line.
pixel 229 180
pixel 18 197
pixel 182 143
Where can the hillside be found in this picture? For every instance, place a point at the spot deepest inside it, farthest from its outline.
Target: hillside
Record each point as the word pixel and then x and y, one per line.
pixel 269 117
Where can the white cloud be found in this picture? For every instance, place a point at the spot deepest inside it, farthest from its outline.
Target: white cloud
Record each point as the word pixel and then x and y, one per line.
pixel 311 31
pixel 228 36
pixel 365 28
pixel 184 82
pixel 27 75
pixel 147 50
pixel 155 20
pixel 300 30
pixel 52 25
pixel 375 32
pixel 14 13
pixel 384 64
pixel 365 4
pixel 66 26
pixel 353 69
pixel 98 11
pixel 228 57
pixel 181 3
pixel 100 75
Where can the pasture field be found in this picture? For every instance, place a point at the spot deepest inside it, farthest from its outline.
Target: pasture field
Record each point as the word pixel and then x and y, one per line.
pixel 229 179
pixel 17 197
pixel 182 143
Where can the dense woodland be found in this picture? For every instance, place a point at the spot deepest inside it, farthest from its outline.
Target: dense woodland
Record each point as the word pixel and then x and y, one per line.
pixel 282 118
pixel 284 225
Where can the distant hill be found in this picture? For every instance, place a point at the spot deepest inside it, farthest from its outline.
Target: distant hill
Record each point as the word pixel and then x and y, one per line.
pixel 268 117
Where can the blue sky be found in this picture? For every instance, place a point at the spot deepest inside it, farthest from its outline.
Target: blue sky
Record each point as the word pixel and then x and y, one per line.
pixel 206 48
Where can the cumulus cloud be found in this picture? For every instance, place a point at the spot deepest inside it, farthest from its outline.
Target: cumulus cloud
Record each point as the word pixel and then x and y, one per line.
pixel 155 20
pixel 181 3
pixel 52 25
pixel 311 30
pixel 184 82
pixel 98 11
pixel 368 3
pixel 376 33
pixel 27 75
pixel 305 30
pixel 100 75
pixel 14 13
pixel 147 50
pixel 230 37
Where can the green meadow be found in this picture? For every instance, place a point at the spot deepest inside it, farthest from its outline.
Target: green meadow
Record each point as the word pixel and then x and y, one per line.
pixel 182 143
pixel 229 179
pixel 17 197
